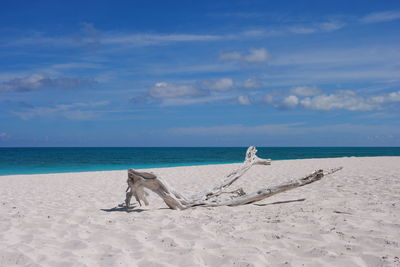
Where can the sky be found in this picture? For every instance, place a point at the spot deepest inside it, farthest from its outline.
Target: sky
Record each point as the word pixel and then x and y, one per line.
pixel 199 73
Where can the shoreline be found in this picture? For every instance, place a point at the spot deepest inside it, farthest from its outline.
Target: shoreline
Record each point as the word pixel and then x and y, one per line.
pixel 178 165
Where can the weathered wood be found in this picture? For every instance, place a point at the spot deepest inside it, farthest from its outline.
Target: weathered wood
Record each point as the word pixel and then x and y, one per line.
pixel 268 192
pixel 138 181
pixel 250 160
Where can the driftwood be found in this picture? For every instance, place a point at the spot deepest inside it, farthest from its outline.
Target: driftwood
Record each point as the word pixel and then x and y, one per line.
pixel 138 181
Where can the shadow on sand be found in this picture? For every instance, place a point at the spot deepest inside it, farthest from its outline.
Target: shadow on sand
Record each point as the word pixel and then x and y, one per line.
pixel 122 208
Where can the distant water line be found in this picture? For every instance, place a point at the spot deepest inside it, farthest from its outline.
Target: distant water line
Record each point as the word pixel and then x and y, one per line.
pixel 81 159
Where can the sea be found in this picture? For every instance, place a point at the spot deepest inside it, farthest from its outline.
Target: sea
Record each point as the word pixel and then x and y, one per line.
pixel 83 159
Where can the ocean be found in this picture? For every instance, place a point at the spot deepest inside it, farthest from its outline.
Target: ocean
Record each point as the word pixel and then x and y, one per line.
pixel 80 159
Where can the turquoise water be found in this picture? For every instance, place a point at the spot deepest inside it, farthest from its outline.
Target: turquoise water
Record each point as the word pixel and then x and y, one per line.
pixel 55 160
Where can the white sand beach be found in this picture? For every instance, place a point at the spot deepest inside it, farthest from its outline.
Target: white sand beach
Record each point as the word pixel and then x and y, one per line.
pixel 351 218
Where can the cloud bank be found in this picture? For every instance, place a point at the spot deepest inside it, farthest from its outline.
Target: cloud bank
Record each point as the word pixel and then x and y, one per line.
pixel 381 17
pixel 340 100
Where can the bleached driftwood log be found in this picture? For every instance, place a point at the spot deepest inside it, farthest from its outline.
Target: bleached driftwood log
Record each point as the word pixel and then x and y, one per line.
pixel 137 181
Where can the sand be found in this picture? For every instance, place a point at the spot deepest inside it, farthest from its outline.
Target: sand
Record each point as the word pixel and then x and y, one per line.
pixel 351 218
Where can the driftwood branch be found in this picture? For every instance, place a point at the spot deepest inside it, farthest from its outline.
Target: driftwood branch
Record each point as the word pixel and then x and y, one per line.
pixel 268 192
pixel 138 181
pixel 250 160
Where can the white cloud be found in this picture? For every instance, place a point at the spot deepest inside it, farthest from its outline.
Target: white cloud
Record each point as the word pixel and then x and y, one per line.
pixel 327 26
pixel 77 111
pixel 190 68
pixel 244 100
pixel 290 102
pixel 3 135
pixel 166 90
pixel 256 55
pixel 381 17
pixel 29 83
pixel 186 94
pixel 82 105
pixel 252 83
pixel 194 101
pixel 331 26
pixel 253 55
pixel 349 100
pixel 305 91
pixel 345 100
pixel 222 84
pixel 40 81
pixel 390 97
pixel 307 97
pixel 153 39
pixel 90 37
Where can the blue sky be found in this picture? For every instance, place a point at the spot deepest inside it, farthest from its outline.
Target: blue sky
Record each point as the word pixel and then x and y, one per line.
pixel 199 73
